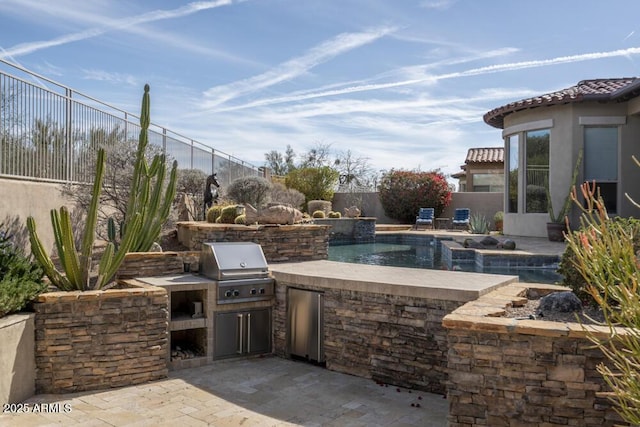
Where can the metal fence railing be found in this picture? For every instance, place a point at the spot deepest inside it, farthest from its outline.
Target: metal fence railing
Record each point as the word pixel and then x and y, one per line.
pixel 50 132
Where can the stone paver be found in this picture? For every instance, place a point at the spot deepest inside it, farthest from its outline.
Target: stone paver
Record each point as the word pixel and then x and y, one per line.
pixel 267 391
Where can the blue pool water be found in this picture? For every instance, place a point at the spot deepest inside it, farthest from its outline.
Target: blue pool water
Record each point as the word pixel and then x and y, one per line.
pixel 426 254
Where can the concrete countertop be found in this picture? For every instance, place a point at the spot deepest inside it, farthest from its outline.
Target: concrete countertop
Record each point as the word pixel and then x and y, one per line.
pixel 400 281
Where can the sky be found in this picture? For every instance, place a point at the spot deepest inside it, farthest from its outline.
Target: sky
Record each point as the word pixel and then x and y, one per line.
pixel 401 83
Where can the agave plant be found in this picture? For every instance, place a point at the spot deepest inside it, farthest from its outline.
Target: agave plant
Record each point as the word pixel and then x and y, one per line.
pixel 478 224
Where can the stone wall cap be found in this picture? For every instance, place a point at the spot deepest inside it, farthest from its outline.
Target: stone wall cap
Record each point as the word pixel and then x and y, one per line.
pixel 399 281
pixel 135 289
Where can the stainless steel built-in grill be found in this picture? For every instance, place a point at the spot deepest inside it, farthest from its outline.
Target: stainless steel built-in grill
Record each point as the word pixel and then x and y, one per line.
pixel 240 270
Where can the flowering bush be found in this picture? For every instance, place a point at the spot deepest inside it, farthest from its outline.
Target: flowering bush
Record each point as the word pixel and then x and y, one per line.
pixel 403 193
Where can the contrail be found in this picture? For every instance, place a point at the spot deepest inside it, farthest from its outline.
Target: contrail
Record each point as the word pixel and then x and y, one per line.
pixel 472 72
pixel 157 15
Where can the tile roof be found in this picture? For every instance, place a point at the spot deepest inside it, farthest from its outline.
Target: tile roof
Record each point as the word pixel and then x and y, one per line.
pixel 485 155
pixel 614 90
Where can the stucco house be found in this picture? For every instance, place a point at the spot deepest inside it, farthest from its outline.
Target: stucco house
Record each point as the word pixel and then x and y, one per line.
pixel 543 136
pixel 483 171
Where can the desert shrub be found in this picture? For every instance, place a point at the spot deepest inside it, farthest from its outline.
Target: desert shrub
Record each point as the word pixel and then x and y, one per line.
pixel 240 219
pixel 606 255
pixel 253 190
pixel 20 278
pixel 333 214
pixel 316 183
pixel 214 213
pixel 286 196
pixel 572 276
pixel 403 193
pixel 228 214
pixel 318 214
pixel 192 183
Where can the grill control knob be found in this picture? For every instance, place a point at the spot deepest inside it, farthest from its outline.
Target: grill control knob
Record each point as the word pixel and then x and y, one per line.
pixel 236 292
pixel 253 291
pixel 262 291
pixel 228 294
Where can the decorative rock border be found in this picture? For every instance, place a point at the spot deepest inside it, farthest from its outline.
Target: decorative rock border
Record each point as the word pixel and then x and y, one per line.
pixel 100 339
pixel 507 371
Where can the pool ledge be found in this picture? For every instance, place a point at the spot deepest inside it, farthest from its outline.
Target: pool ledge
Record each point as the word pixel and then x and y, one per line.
pixel 399 281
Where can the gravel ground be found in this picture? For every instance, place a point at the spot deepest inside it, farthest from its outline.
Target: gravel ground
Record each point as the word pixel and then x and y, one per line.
pixel 589 315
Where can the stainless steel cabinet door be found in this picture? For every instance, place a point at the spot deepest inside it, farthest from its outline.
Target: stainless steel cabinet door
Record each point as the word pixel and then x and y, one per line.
pixel 305 322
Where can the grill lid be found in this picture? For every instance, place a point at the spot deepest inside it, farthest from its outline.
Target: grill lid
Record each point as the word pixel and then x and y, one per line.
pixel 232 260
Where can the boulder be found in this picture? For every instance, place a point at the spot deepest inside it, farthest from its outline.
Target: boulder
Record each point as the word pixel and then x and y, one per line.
pixel 470 243
pixel 278 214
pixel 489 241
pixel 559 302
pixel 352 212
pixel 509 244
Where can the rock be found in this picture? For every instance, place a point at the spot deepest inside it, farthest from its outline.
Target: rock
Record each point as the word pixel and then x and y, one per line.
pixel 470 243
pixel 352 212
pixel 155 247
pixel 278 214
pixel 489 241
pixel 562 302
pixel 509 244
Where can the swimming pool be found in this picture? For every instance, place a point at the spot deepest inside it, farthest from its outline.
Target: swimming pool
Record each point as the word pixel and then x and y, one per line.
pixel 392 251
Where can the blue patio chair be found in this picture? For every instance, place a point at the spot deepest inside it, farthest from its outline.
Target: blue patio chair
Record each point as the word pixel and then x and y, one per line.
pixel 460 218
pixel 425 218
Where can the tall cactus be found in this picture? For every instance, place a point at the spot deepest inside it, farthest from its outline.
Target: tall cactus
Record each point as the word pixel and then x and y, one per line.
pixel 146 195
pixel 77 264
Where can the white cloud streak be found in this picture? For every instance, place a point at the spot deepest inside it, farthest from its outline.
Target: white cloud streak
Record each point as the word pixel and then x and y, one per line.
pixel 434 78
pixel 158 15
pixel 295 67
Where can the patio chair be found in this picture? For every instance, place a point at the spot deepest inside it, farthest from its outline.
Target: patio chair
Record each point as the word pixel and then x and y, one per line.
pixel 460 218
pixel 424 218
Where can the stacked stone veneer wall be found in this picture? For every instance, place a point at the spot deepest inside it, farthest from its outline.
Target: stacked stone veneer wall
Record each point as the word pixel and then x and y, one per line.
pixel 100 339
pixel 144 264
pixel 392 339
pixel 510 372
pixel 280 243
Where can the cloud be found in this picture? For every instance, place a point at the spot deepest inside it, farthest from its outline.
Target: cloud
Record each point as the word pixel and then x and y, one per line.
pixel 294 67
pixel 119 24
pixel 105 76
pixel 437 4
pixel 432 79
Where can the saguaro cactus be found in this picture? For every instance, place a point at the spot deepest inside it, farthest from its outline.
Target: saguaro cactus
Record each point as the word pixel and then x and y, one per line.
pixel 147 196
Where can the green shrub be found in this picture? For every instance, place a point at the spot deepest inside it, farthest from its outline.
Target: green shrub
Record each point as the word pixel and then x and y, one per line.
pixel 20 278
pixel 573 278
pixel 253 190
pixel 403 193
pixel 240 219
pixel 318 214
pixel 315 183
pixel 228 214
pixel 213 213
pixel 333 214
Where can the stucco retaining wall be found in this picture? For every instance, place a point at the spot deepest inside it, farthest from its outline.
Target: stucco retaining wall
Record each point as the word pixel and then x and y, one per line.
pixel 100 339
pixel 17 359
pixel 514 372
